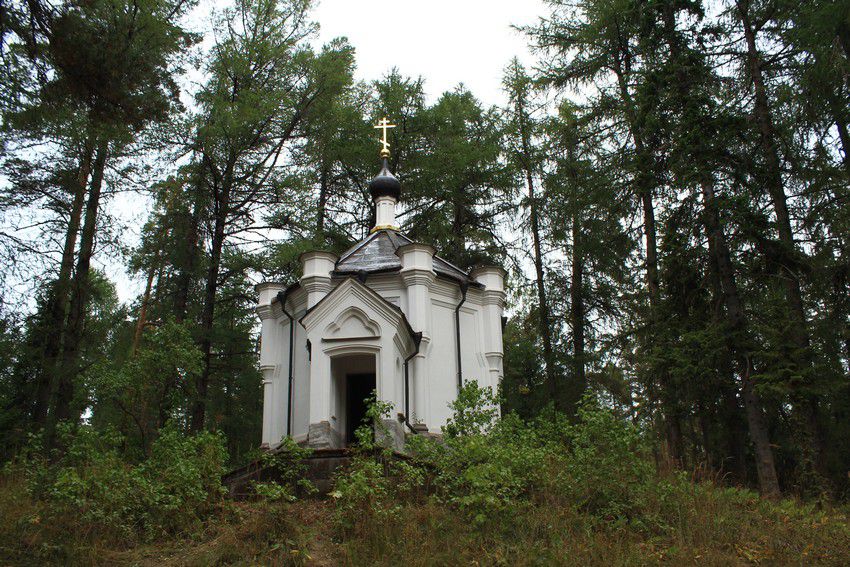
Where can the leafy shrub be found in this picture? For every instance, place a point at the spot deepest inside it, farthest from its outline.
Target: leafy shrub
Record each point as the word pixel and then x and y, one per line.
pixel 486 467
pixel 375 483
pixel 91 482
pixel 184 478
pixel 490 468
pixel 607 472
pixel 475 411
pixel 287 464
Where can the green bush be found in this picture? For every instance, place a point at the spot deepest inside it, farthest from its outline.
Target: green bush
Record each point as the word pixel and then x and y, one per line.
pixel 474 412
pixel 376 483
pixel 489 468
pixel 486 467
pixel 607 472
pixel 91 482
pixel 287 463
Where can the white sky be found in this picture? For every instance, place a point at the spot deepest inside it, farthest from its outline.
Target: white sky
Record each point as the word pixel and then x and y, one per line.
pixel 446 42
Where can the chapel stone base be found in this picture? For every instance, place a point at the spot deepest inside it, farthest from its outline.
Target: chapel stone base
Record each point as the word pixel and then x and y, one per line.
pixel 322 436
pixel 391 435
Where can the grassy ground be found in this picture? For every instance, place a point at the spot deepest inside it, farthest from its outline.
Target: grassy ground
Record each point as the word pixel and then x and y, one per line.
pixel 713 526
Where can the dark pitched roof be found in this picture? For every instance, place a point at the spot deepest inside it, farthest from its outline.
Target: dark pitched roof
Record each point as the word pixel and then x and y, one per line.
pixel 377 253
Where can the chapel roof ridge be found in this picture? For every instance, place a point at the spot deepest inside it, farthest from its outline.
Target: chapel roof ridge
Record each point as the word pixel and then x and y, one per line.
pixel 377 254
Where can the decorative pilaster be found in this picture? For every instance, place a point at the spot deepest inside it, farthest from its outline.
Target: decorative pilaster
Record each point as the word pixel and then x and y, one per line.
pixel 270 353
pixel 493 300
pixel 417 272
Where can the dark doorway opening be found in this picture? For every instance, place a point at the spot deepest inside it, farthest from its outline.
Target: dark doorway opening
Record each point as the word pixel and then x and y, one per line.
pixel 358 387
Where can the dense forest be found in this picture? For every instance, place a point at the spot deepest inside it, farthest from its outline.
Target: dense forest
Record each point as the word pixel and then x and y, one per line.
pixel 668 186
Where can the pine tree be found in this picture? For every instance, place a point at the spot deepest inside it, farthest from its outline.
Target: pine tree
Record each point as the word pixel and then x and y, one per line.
pixel 460 180
pixel 525 158
pixel 263 83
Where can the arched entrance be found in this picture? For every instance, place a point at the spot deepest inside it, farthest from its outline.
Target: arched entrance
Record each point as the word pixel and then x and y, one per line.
pixel 354 380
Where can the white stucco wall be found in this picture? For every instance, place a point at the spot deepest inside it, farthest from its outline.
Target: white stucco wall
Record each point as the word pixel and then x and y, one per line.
pixel 433 373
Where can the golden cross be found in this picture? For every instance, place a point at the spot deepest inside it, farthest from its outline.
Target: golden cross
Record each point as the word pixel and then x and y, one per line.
pixel 383 124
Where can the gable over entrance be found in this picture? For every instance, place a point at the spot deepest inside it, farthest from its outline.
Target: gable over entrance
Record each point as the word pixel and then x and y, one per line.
pixel 350 325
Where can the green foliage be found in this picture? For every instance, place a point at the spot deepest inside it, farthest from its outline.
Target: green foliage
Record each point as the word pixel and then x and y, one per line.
pixel 287 464
pixel 374 485
pixel 373 429
pixel 489 468
pixel 475 410
pixel 149 386
pixel 91 481
pixel 461 181
pixel 549 491
pixel 607 473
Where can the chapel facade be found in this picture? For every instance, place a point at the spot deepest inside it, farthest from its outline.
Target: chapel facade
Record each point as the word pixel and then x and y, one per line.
pixel 389 315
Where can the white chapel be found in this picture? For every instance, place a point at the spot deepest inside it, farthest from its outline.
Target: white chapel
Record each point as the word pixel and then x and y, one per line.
pixel 388 315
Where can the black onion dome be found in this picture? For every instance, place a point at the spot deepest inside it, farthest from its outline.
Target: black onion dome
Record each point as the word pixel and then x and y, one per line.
pixel 385 184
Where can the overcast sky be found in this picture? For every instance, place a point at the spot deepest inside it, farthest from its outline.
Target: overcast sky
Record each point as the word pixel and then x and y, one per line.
pixel 446 42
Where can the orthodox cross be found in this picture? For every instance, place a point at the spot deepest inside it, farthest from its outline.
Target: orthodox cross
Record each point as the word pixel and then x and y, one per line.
pixel 384 124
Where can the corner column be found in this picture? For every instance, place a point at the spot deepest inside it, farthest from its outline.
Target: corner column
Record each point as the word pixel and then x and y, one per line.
pixel 270 359
pixel 417 271
pixel 317 267
pixel 493 299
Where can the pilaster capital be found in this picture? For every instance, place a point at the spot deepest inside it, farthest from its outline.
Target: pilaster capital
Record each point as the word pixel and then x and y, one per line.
pixel 316 283
pixel 493 297
pixel 418 276
pixel 264 312
pixel 494 356
pixel 424 345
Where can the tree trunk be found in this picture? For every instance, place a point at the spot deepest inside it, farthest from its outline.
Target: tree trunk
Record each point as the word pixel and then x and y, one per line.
pixel 458 254
pixel 737 337
pixel 323 199
pixel 190 259
pixel 736 428
pixel 208 314
pixel 58 307
pixel 79 295
pixel 806 405
pixel 544 317
pixel 844 137
pixel 644 188
pixel 577 308
pixel 143 312
pixel 735 433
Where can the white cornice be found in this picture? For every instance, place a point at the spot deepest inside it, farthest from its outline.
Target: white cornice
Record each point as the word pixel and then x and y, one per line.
pixel 492 297
pixel 264 311
pixel 415 276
